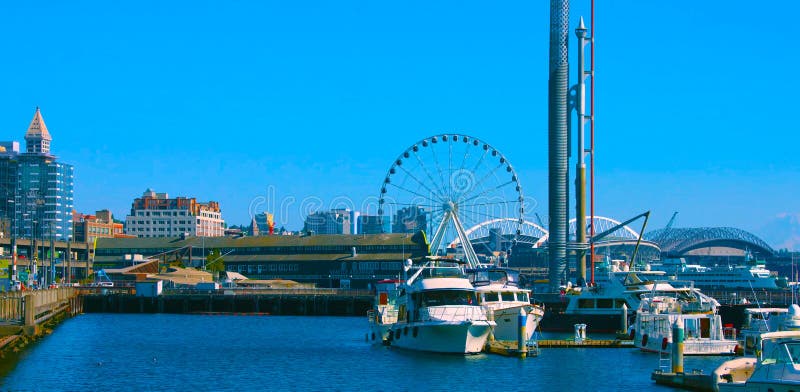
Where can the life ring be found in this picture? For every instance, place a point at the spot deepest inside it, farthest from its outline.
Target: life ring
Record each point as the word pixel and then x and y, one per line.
pixel 664 343
pixel 644 340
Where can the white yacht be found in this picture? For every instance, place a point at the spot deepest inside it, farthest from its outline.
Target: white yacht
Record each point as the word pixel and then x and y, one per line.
pixel 762 320
pixel 498 290
pixel 775 366
pixel 696 312
pixel 601 306
pixel 438 310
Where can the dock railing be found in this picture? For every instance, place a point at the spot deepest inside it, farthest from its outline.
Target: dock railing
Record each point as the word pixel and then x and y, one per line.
pixel 41 305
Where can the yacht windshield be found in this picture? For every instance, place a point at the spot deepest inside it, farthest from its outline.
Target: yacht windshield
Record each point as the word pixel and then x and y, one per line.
pixel 443 272
pixel 486 276
pixel 445 297
pixel 784 353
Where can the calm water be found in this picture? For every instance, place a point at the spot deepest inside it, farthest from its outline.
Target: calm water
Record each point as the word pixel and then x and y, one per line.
pixel 110 352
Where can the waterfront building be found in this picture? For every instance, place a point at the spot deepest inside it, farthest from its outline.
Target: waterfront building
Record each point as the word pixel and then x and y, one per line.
pixel 373 224
pixel 87 228
pixel 409 220
pixel 36 188
pixel 336 221
pixel 325 260
pixel 157 215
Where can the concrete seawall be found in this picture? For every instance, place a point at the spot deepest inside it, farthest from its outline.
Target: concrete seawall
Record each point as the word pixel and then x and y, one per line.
pixel 27 315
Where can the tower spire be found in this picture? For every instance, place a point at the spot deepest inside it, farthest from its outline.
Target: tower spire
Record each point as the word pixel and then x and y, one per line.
pixel 37 138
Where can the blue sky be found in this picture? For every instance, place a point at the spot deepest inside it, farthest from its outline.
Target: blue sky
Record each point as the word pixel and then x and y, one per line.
pixel 245 100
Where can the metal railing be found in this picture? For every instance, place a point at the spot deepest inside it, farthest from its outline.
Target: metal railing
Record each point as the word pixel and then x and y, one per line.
pixel 452 313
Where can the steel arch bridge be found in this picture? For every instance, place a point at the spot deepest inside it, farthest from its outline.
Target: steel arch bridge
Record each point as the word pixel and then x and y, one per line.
pixel 601 224
pixel 679 241
pixel 536 235
pixel 530 233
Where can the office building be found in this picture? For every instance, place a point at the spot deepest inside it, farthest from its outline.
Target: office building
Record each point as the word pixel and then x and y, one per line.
pixel 36 188
pixel 157 215
pixel 335 221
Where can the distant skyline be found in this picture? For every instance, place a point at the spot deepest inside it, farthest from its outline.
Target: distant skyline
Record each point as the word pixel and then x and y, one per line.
pixel 252 101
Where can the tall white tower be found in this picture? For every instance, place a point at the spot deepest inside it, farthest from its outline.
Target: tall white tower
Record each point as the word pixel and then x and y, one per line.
pixel 37 138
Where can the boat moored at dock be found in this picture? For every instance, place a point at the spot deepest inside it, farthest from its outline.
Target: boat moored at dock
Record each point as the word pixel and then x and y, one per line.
pixel 438 310
pixel 695 312
pixel 774 366
pixel 499 292
pixel 384 311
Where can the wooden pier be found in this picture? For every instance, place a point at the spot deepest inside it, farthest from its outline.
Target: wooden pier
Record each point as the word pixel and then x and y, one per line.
pixel 24 313
pixel 509 349
pixel 694 381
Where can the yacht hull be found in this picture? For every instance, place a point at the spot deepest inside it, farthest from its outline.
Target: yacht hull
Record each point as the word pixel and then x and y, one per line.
pixel 452 338
pixel 690 347
pixel 508 324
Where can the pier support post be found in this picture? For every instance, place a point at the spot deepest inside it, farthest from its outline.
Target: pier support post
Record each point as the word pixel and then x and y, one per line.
pixel 30 327
pixel 522 344
pixel 677 347
pixel 624 319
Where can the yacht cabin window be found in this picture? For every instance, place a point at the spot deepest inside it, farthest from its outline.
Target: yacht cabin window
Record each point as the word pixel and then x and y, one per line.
pixel 523 297
pixel 491 297
pixel 445 297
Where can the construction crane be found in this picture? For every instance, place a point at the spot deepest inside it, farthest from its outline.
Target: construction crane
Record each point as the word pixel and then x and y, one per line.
pixel 665 231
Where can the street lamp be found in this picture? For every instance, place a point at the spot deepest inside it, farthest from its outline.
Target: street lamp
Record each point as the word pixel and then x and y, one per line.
pixel 13 238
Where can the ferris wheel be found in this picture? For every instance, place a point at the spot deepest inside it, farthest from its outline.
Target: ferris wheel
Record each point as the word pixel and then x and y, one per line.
pixel 445 183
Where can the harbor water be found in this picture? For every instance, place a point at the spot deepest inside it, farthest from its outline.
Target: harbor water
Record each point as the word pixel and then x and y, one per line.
pixel 162 352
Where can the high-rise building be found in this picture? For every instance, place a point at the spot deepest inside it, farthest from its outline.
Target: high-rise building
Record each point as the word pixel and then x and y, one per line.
pixel 374 224
pixel 156 215
pixel 36 188
pixel 335 221
pixel 410 220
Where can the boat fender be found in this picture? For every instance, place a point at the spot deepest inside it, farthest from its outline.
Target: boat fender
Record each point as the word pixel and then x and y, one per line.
pixel 397 334
pixel 664 343
pixel 415 331
pixel 632 334
pixel 644 340
pixel 405 331
pixel 373 336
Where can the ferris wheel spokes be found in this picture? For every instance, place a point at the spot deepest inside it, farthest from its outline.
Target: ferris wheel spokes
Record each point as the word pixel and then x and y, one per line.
pixel 451 186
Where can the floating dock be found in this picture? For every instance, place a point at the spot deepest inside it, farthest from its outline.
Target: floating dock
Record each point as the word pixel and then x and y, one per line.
pixel 587 343
pixel 510 349
pixel 694 381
